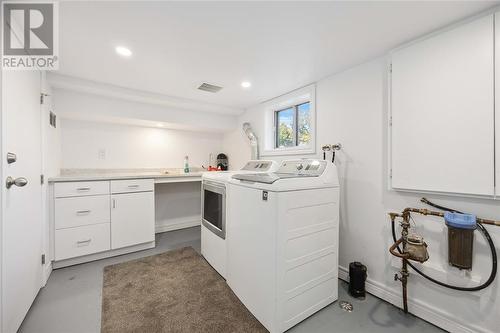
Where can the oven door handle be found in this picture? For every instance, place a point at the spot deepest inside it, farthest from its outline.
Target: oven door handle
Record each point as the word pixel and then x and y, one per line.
pixel 215 188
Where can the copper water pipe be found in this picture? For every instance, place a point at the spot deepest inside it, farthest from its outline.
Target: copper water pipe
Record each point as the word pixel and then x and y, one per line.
pixel 405 215
pixel 395 253
pixel 404 256
pixel 424 211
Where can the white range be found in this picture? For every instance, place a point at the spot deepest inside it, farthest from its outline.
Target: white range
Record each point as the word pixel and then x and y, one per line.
pixel 283 251
pixel 214 211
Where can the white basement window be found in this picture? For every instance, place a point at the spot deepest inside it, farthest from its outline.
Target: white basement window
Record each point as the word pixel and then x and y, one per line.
pixel 293 126
pixel 290 124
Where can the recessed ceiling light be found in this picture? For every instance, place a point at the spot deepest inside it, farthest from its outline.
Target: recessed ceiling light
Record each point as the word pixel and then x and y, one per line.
pixel 246 84
pixel 123 51
pixel 160 125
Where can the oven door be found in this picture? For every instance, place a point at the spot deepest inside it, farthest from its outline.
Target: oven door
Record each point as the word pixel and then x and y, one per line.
pixel 214 207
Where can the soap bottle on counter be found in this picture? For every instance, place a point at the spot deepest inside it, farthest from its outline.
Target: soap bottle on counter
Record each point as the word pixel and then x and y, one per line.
pixel 186 164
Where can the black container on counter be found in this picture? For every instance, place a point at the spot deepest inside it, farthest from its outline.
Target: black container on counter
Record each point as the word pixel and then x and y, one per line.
pixel 222 161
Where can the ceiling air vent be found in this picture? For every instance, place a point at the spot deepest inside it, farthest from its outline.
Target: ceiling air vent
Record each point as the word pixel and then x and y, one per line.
pixel 209 87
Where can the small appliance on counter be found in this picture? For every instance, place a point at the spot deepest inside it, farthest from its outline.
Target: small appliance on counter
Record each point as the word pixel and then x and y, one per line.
pixel 222 162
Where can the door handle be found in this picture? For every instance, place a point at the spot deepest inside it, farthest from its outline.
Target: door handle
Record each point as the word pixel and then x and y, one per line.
pixel 19 182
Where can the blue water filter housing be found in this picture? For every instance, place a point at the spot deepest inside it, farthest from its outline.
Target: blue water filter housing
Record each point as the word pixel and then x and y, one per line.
pixel 460 238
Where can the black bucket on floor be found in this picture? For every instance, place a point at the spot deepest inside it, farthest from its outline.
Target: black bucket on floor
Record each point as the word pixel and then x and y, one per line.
pixel 357 278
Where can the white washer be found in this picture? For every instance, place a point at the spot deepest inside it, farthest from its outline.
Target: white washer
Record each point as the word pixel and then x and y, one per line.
pixel 214 211
pixel 283 251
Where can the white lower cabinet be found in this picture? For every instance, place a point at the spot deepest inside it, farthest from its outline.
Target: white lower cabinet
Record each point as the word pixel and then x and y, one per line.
pixel 101 216
pixel 80 241
pixel 132 219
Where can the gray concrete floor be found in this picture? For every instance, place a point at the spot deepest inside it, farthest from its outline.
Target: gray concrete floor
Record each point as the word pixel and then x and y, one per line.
pixel 71 300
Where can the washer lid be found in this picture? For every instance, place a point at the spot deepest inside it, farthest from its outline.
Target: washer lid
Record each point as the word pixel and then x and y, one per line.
pixel 253 166
pixel 292 175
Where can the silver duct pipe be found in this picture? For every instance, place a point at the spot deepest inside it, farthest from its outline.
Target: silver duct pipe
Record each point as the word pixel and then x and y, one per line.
pixel 254 143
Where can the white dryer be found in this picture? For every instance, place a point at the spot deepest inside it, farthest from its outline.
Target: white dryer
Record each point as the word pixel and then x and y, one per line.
pixel 214 211
pixel 283 251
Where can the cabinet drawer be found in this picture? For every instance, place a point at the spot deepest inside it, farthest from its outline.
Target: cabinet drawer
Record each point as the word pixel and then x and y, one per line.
pixel 132 185
pixel 76 189
pixel 78 211
pixel 80 241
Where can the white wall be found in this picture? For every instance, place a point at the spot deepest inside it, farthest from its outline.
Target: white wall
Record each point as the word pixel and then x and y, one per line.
pixel 128 146
pixel 352 109
pixel 110 109
pixel 237 147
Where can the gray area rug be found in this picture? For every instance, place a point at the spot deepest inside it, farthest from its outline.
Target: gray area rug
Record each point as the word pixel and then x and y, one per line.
pixel 176 291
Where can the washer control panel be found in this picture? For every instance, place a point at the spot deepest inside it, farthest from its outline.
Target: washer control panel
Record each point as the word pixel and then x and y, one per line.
pixel 306 167
pixel 258 166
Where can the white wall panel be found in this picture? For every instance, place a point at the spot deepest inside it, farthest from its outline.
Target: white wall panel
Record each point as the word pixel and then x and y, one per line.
pixel 443 111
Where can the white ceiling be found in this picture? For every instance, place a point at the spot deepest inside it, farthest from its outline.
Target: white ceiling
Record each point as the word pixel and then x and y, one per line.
pixel 278 46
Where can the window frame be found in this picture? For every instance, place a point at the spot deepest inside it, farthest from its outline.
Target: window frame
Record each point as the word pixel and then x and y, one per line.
pixel 292 99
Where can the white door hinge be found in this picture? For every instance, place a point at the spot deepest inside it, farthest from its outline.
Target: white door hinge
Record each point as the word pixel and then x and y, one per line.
pixel 42 97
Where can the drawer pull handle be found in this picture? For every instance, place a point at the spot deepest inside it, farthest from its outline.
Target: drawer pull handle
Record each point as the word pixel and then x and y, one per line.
pixel 81 189
pixel 83 242
pixel 83 212
pixel 133 186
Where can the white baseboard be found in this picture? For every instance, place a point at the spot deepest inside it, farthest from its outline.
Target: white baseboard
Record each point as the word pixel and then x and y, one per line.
pixel 417 308
pixel 102 255
pixel 47 270
pixel 176 224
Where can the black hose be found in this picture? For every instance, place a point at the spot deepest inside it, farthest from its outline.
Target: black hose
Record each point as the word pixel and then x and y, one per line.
pixel 488 239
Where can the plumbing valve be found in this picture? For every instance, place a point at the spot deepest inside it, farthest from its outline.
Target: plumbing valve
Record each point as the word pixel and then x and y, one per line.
pixel 332 148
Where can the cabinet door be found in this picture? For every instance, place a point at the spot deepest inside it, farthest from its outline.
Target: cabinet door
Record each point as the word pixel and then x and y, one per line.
pixel 442 108
pixel 132 219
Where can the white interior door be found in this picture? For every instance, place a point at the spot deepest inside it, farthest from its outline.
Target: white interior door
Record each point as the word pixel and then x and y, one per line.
pixel 21 205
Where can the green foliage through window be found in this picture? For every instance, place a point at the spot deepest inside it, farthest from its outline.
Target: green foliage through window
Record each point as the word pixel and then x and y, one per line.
pixel 293 126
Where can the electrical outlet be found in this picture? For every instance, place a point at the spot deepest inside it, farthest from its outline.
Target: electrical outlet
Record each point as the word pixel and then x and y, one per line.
pixel 101 154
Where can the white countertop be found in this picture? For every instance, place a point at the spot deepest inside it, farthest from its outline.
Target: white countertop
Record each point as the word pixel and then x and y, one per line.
pixel 158 176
